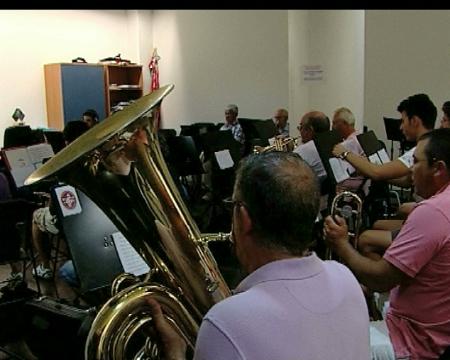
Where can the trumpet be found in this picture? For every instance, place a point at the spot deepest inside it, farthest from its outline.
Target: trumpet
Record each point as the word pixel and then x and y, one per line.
pixel 280 144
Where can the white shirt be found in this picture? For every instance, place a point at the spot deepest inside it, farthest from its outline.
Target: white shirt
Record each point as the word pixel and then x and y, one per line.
pixel 310 155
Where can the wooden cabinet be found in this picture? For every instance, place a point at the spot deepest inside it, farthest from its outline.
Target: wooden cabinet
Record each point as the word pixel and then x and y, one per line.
pixel 123 83
pixel 72 88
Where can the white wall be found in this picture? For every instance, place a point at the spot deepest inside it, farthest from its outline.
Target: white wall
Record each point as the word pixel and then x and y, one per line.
pixel 30 39
pixel 217 57
pixel 337 43
pixel 406 53
pixel 299 94
pixel 333 39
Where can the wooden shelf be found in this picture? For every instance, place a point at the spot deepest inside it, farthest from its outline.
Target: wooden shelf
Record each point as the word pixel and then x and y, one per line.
pixel 72 88
pixel 122 75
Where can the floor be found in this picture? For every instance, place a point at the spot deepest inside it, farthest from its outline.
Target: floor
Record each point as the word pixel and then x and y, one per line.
pixel 15 297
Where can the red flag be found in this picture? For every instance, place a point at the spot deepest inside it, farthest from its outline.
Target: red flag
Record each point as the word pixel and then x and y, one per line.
pixel 154 74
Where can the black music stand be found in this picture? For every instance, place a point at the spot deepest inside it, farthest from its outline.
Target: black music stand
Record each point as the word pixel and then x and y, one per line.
pixel 222 180
pixel 185 160
pixel 325 143
pixel 265 129
pixel 89 238
pixel 393 132
pixel 369 143
pixel 55 139
pixel 196 130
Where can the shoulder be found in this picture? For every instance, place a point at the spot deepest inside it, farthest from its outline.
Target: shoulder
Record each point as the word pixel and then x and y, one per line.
pixel 407 158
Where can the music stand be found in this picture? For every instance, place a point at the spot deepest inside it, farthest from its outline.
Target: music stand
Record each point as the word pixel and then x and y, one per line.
pixel 89 238
pixel 393 132
pixel 55 139
pixel 325 143
pixel 185 157
pixel 369 143
pixel 265 129
pixel 196 130
pixel 222 179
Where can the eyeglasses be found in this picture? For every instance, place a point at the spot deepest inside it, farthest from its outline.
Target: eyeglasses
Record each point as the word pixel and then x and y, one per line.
pixel 230 204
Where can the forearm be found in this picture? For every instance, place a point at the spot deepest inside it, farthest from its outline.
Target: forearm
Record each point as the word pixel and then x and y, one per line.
pixel 364 166
pixel 367 271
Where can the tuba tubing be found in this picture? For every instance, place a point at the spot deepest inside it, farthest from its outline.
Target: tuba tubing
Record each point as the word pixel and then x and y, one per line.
pixel 119 165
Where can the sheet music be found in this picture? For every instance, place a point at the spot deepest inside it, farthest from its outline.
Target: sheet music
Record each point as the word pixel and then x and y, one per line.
pixel 40 152
pixel 339 169
pixel 18 158
pixel 383 155
pixel 131 261
pixel 20 174
pixel 224 159
pixel 375 159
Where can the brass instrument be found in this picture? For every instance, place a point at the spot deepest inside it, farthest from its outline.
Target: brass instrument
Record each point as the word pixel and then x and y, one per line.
pixel 280 144
pixel 118 163
pixel 349 206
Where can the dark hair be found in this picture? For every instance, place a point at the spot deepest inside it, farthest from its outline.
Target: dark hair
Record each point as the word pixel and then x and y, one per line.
pixel 281 195
pixel 319 124
pixel 438 146
pixel 446 108
pixel 421 106
pixel 74 129
pixel 92 114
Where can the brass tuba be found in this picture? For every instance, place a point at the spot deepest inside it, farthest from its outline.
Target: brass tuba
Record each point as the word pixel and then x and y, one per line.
pixel 349 206
pixel 119 165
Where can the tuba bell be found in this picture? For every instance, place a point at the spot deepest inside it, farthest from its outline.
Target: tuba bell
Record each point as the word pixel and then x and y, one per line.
pixel 119 164
pixel 349 206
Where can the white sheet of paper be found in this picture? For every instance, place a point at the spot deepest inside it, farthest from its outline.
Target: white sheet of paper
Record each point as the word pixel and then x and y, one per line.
pixel 375 159
pixel 18 158
pixel 20 174
pixel 40 152
pixel 383 155
pixel 68 200
pixel 224 159
pixel 132 262
pixel 339 171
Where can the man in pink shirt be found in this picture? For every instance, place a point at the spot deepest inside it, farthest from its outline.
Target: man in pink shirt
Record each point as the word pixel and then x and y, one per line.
pixel 416 267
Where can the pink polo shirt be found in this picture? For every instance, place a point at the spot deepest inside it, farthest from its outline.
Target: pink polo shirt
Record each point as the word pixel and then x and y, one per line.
pixel 419 315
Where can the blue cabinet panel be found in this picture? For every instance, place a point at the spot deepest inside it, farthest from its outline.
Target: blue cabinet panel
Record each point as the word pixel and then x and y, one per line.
pixel 83 88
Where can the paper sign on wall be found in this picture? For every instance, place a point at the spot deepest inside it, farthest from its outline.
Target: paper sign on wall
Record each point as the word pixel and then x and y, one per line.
pixel 312 73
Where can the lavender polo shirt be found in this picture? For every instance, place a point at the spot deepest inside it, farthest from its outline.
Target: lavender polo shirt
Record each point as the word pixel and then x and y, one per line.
pixel 300 308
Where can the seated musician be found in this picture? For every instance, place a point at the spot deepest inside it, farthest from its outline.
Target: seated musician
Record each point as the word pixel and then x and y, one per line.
pixel 280 119
pixel 416 266
pixel 312 123
pixel 44 219
pixel 344 124
pixel 292 305
pixel 418 117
